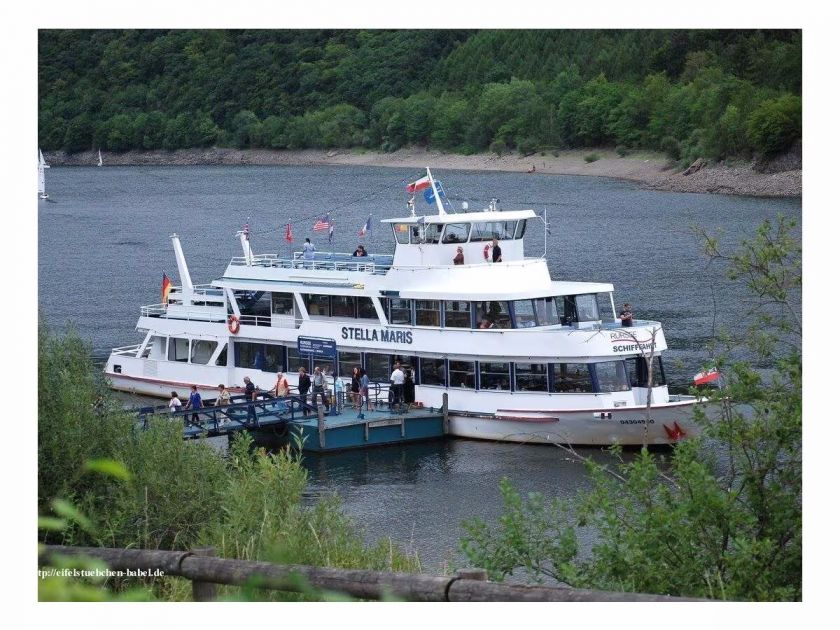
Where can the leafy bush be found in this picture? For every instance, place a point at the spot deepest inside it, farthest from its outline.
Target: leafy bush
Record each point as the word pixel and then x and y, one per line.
pixel 498 147
pixel 591 157
pixel 670 146
pixel 622 151
pixel 776 124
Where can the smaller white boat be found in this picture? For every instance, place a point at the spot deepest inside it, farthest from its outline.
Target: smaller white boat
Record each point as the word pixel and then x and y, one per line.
pixel 42 184
pixel 100 158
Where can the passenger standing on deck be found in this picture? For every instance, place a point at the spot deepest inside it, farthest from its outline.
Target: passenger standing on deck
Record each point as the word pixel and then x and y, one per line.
pixel 364 394
pixel 626 316
pixel 224 396
pixel 318 387
pixel 281 387
pixel 459 257
pixel 355 386
pixel 251 396
pixel 175 403
pixel 304 383
pixel 497 251
pixel 408 388
pixel 398 385
pixel 194 402
pixel 308 250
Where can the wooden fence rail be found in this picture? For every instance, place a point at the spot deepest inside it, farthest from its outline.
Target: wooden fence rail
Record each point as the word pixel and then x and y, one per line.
pixel 205 570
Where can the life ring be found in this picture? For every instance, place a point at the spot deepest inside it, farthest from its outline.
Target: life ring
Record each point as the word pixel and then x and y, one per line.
pixel 233 324
pixel 487 249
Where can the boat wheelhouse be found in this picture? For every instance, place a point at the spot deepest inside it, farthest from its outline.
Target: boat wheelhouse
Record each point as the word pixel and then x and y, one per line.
pixel 522 357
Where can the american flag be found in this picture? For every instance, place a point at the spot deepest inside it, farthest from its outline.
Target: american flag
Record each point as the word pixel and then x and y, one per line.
pixel 322 224
pixel 289 232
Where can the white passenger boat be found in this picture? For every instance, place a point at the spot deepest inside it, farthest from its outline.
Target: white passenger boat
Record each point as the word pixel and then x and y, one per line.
pixel 522 357
pixel 42 181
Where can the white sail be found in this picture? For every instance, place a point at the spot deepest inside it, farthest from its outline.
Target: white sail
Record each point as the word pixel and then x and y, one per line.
pixel 42 187
pixel 100 157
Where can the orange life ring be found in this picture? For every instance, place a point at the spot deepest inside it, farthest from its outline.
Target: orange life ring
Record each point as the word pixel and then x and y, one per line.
pixel 233 324
pixel 487 251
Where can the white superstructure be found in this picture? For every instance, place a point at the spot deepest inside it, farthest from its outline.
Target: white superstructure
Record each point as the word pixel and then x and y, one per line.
pixel 42 181
pixel 521 356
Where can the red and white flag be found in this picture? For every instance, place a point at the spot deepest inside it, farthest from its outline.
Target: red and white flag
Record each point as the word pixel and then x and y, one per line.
pixel 289 232
pixel 420 184
pixel 322 224
pixel 706 376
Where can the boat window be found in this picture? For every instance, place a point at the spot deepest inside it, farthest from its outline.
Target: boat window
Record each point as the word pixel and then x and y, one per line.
pixel 587 308
pixel 571 378
pixel 347 361
pixel 433 232
pixel 401 232
pixel 546 311
pixel 417 234
pixel 525 314
pixel 637 371
pixel 566 310
pixel 432 372
pixel 456 233
pixel 267 357
pixel 462 374
pixel 282 304
pixel 343 306
pixel 406 362
pixel 520 228
pixel 492 314
pixel 456 314
pixel 378 367
pixel 222 358
pixel 202 351
pixel 531 377
pixel 295 360
pixel 179 349
pixel 156 348
pixel 427 312
pixel 317 304
pixel 399 311
pixel 611 376
pixel 495 375
pixel 605 307
pixel 254 303
pixel 488 230
pixel 367 309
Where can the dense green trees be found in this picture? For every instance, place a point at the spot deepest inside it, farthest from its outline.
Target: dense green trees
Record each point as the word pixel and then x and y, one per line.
pixel 715 93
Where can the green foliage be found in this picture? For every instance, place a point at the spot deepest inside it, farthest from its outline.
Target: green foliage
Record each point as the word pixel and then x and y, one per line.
pixel 591 157
pixel 622 151
pixel 450 89
pixel 103 482
pixel 776 124
pixel 722 516
pixel 670 147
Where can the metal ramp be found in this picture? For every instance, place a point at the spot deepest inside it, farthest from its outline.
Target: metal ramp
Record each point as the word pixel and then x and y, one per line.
pixel 265 412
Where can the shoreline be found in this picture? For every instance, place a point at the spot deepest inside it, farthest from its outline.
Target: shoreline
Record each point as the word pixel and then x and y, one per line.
pixel 652 170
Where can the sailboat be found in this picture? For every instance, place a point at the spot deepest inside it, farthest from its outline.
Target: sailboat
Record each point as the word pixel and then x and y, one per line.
pixel 42 188
pixel 100 158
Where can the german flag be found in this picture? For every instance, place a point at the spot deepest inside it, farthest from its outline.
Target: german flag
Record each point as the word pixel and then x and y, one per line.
pixel 165 288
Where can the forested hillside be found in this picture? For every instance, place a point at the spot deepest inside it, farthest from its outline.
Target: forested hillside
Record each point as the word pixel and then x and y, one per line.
pixel 716 94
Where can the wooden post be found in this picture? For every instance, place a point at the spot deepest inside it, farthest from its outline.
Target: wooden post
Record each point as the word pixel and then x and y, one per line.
pixel 204 591
pixel 445 411
pixel 321 424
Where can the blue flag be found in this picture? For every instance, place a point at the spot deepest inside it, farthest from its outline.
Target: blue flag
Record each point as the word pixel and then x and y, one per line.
pixel 430 195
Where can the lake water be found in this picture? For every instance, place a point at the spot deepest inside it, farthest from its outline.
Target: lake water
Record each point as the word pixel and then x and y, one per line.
pixel 104 247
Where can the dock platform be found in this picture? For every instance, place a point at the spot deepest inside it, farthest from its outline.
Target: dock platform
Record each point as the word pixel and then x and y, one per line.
pixel 303 425
pixel 345 430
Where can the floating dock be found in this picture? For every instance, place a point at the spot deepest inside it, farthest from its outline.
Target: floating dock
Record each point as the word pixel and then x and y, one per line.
pixel 306 426
pixel 346 430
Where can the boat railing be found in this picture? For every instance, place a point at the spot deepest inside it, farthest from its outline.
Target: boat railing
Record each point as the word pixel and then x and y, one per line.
pixel 160 310
pixel 127 350
pixel 374 264
pixel 256 320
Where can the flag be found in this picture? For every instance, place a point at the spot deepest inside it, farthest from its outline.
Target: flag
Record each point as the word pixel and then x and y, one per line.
pixel 247 232
pixel 420 184
pixel 165 288
pixel 332 229
pixel 430 195
pixel 322 224
pixel 365 228
pixel 289 232
pixel 706 376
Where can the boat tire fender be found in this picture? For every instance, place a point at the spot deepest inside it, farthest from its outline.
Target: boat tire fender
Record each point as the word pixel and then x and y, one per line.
pixel 233 324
